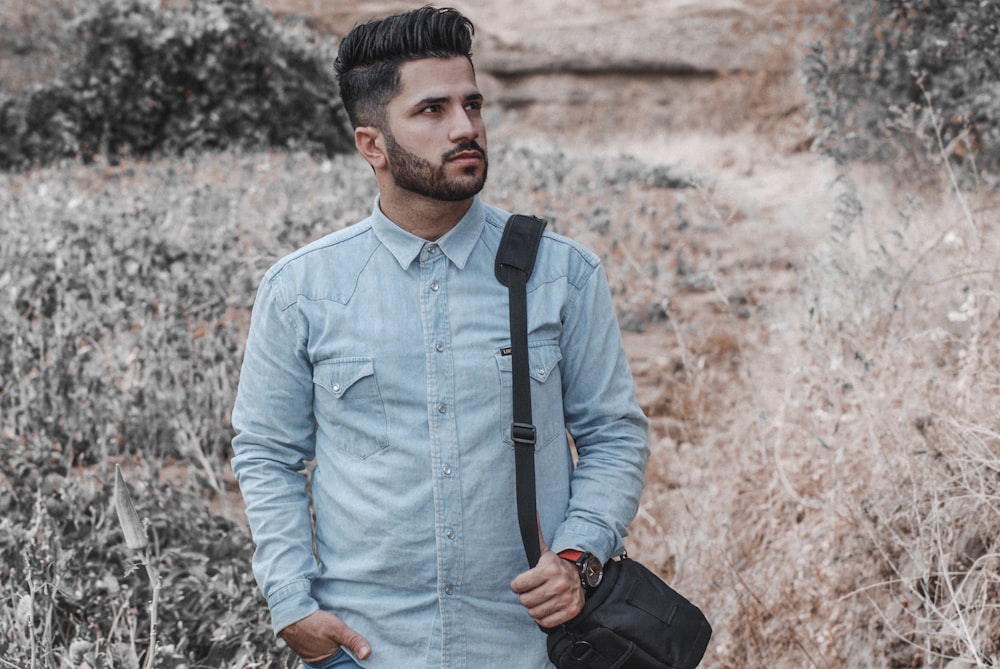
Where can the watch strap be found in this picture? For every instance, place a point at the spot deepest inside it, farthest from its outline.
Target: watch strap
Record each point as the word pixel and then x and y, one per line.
pixel 570 554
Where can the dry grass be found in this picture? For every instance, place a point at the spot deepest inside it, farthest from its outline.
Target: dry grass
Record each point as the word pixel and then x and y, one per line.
pixel 825 478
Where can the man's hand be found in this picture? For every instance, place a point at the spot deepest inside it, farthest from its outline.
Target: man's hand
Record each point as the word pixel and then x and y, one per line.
pixel 320 635
pixel 551 591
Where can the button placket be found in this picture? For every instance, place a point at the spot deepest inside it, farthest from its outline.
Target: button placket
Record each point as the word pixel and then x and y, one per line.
pixel 444 439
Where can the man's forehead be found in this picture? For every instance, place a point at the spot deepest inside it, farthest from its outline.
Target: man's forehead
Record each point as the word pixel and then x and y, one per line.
pixel 437 78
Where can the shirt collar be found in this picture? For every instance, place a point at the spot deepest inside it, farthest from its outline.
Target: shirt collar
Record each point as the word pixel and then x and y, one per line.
pixel 456 244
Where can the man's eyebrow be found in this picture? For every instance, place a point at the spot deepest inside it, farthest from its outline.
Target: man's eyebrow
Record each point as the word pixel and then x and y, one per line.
pixel 433 100
pixel 436 100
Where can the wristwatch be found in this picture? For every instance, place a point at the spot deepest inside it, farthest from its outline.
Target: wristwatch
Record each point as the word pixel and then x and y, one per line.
pixel 591 569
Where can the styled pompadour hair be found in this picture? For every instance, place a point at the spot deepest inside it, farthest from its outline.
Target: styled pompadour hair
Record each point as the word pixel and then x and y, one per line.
pixel 369 57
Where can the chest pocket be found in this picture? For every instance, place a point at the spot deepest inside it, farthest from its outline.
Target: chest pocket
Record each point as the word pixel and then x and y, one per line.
pixel 546 392
pixel 350 412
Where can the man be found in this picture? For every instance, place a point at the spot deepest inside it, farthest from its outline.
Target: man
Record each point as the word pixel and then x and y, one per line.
pixel 382 351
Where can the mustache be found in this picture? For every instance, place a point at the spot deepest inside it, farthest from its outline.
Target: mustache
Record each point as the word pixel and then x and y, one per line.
pixel 470 145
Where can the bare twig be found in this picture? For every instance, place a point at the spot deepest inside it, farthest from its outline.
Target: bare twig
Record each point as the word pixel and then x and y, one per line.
pixel 947 163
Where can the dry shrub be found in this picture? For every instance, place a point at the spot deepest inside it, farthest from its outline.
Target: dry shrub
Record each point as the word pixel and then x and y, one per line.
pixel 139 77
pixel 125 294
pixel 926 373
pixel 878 69
pixel 882 443
pixel 826 468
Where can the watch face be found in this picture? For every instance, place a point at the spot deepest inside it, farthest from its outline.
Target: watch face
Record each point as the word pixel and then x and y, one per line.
pixel 591 571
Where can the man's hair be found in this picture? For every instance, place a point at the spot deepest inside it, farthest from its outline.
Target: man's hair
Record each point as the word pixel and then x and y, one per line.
pixel 369 57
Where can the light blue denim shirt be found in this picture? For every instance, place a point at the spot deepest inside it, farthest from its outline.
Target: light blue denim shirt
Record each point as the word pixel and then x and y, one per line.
pixel 381 355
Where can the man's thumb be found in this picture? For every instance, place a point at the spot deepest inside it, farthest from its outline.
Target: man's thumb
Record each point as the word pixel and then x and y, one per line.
pixel 360 646
pixel 356 643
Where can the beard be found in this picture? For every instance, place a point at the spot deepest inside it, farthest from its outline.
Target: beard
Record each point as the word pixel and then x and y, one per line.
pixel 420 176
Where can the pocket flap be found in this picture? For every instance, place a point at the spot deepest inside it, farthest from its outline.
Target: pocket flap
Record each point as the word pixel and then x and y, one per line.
pixel 336 375
pixel 542 359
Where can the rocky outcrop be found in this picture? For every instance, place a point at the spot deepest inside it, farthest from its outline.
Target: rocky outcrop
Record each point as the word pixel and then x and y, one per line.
pixel 666 38
pixel 614 71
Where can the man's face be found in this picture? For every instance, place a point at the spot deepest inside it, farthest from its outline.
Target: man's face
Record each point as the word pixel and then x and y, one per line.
pixel 435 139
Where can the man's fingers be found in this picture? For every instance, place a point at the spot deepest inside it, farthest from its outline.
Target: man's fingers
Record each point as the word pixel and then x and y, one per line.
pixel 551 591
pixel 549 568
pixel 555 612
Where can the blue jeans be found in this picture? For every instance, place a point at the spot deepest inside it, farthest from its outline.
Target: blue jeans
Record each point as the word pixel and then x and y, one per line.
pixel 339 660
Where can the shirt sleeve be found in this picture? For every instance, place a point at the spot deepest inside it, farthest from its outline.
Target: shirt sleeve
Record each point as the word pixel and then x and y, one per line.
pixel 607 425
pixel 274 426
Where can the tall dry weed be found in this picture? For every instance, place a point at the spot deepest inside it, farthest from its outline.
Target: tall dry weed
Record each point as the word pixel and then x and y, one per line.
pixel 825 467
pixel 902 355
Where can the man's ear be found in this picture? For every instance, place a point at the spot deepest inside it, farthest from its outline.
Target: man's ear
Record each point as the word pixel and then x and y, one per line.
pixel 371 145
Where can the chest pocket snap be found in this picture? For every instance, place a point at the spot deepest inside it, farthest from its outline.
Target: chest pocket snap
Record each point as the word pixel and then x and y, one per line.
pixel 350 412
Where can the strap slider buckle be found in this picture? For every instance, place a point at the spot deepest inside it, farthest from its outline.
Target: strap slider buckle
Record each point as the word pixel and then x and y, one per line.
pixel 523 434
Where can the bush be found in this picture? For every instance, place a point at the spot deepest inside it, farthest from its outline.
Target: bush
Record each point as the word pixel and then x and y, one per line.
pixel 72 599
pixel 214 74
pixel 122 329
pixel 125 295
pixel 32 34
pixel 889 76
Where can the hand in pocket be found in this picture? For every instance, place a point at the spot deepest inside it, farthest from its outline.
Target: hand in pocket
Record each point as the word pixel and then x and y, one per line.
pixel 319 637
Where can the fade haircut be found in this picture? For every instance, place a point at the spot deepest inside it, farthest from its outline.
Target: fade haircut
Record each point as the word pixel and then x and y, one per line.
pixel 369 57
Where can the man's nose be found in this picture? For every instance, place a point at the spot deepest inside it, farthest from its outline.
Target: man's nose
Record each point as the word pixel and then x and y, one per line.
pixel 464 126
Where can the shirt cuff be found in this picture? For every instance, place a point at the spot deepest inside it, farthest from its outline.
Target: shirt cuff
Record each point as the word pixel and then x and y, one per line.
pixel 597 540
pixel 290 604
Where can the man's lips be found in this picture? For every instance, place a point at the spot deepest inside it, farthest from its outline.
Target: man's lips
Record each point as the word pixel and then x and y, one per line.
pixel 466 157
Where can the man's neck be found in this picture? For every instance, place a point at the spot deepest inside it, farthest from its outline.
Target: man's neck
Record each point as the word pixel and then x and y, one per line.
pixel 424 217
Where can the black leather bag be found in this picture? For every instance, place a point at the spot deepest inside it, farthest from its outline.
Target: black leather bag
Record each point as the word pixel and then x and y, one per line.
pixel 632 620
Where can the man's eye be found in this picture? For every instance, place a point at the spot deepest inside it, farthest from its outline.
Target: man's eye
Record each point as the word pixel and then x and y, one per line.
pixel 431 109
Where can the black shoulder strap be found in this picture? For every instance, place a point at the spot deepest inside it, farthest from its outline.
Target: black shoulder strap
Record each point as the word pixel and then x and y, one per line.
pixel 518 246
pixel 514 263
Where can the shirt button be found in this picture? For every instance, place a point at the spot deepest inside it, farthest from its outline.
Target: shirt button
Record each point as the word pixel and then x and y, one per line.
pixel 336 387
pixel 435 287
pixel 541 371
pixel 442 408
pixel 447 470
pixel 432 249
pixel 451 534
pixel 439 348
pixel 448 590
